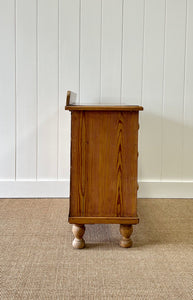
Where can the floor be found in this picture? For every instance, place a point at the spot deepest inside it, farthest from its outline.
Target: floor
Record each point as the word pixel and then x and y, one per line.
pixel 37 260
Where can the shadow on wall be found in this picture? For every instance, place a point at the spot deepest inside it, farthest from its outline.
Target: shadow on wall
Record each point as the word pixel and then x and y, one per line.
pixel 165 147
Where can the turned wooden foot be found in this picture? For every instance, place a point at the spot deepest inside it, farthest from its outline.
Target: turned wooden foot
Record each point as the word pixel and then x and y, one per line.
pixel 126 231
pixel 78 232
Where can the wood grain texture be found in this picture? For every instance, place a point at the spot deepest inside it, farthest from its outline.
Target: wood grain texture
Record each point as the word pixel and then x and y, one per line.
pixel 98 107
pixel 105 107
pixel 103 220
pixel 126 232
pixel 104 164
pixel 78 232
pixel 77 175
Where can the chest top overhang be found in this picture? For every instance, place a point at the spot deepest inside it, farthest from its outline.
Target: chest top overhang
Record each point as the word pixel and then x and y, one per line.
pixel 99 107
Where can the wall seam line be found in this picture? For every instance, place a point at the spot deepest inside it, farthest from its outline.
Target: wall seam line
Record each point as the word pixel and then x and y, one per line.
pixel 100 88
pixel 184 88
pixel 142 79
pixel 58 123
pixel 15 23
pixel 37 86
pixel 122 25
pixel 80 7
pixel 163 89
pixel 143 48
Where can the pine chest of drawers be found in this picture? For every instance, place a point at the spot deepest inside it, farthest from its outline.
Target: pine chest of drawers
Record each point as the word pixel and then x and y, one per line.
pixel 103 179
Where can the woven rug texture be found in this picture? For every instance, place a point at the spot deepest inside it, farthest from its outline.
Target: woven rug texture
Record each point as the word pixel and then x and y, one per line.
pixel 37 260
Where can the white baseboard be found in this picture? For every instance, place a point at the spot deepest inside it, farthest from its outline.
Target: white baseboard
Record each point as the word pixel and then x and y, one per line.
pixel 60 189
pixel 165 189
pixel 34 189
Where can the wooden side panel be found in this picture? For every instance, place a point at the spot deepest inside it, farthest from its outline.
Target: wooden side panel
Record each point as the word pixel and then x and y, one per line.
pixel 77 180
pixel 101 165
pixel 104 220
pixel 104 164
pixel 129 164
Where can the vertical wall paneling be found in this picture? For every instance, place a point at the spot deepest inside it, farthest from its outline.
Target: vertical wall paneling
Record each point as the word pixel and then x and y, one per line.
pixel 68 76
pixel 106 51
pixel 26 89
pixel 7 89
pixel 111 51
pixel 132 56
pixel 151 119
pixel 90 51
pixel 187 160
pixel 132 51
pixel 47 89
pixel 173 89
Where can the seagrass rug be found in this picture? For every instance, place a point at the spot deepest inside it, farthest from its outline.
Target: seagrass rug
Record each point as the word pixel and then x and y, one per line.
pixel 37 260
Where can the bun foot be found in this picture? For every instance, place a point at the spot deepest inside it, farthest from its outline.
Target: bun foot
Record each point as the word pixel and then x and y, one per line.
pixel 126 231
pixel 78 232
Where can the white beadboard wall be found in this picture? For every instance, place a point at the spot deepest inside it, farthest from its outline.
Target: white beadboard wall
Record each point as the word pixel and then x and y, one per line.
pixel 106 51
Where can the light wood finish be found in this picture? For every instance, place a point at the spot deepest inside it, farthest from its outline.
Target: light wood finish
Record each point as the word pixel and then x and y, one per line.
pixel 104 107
pixel 68 98
pixel 78 231
pixel 104 155
pixel 103 220
pixel 126 231
pixel 100 107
